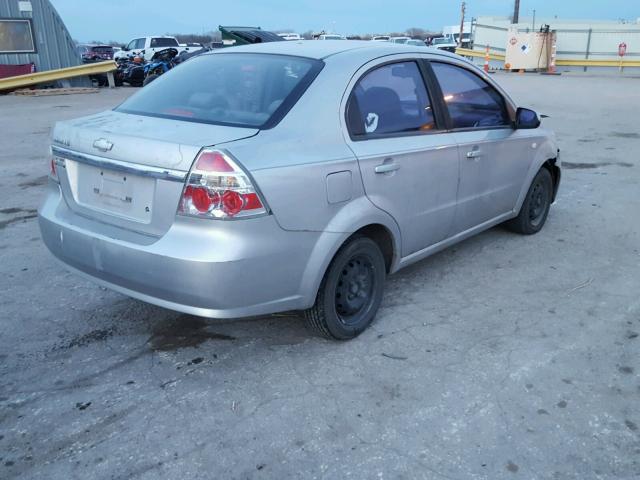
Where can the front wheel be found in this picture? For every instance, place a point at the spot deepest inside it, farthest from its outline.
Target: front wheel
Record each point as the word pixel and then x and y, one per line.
pixel 535 207
pixel 351 291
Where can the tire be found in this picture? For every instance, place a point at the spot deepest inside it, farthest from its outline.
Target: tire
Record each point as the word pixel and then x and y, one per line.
pixel 535 208
pixel 351 291
pixel 149 79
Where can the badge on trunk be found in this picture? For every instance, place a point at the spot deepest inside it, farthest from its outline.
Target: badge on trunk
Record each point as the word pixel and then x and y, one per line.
pixel 103 145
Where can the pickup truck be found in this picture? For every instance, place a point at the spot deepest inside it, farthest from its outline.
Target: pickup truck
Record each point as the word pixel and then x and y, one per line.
pixel 147 46
pixel 446 43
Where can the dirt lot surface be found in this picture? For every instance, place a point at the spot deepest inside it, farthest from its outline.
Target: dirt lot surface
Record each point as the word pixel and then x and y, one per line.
pixel 503 357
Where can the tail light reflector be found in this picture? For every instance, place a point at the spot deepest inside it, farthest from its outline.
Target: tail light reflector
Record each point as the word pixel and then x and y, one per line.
pixel 53 169
pixel 217 187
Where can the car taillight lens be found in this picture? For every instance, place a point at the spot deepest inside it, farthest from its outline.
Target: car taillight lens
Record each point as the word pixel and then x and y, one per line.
pixel 53 169
pixel 217 187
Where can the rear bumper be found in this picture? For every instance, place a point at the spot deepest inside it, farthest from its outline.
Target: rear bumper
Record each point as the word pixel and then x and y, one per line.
pixel 219 269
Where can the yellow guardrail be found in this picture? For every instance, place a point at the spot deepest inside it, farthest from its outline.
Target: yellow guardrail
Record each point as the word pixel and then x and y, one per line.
pixel 20 81
pixel 598 63
pixel 467 52
pixel 586 62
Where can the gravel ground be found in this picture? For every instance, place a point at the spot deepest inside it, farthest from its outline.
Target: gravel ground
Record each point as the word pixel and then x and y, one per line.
pixel 502 357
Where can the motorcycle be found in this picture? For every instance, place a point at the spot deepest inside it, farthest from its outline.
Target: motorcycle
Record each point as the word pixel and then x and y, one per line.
pixel 161 62
pixel 130 70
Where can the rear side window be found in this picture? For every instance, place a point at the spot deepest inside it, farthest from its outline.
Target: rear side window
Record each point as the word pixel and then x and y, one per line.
pixel 390 99
pixel 163 42
pixel 471 102
pixel 235 89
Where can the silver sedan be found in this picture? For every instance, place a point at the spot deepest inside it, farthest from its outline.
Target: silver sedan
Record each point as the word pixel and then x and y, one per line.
pixel 293 176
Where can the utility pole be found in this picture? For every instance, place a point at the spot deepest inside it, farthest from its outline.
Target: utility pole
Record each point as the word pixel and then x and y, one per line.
pixel 516 12
pixel 463 10
pixel 533 24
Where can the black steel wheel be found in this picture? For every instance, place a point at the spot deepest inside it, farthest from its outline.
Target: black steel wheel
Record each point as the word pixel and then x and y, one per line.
pixel 351 291
pixel 535 208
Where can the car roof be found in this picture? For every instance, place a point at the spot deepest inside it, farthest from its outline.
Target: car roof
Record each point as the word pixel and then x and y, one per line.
pixel 92 45
pixel 323 49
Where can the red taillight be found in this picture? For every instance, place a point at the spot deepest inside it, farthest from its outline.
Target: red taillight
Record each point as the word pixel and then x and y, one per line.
pixel 253 201
pixel 217 187
pixel 200 198
pixel 213 162
pixel 232 202
pixel 53 169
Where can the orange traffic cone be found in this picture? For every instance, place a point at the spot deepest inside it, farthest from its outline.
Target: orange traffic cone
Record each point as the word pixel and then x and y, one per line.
pixel 486 60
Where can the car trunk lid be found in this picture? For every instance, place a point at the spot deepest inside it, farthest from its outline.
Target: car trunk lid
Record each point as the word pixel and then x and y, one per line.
pixel 129 170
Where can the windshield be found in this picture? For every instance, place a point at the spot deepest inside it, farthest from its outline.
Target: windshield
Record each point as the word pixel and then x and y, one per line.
pixel 441 41
pixel 235 89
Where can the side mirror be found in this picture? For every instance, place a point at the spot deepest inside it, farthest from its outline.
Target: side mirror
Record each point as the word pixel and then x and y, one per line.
pixel 526 118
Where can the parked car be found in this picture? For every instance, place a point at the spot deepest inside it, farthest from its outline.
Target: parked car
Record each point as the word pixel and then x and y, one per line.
pixel 445 43
pixel 380 38
pixel 399 39
pixel 95 53
pixel 416 43
pixel 148 46
pixel 330 36
pixel 296 177
pixel 290 36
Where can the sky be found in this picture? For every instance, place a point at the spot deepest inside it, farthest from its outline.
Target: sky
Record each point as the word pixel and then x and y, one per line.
pixel 122 20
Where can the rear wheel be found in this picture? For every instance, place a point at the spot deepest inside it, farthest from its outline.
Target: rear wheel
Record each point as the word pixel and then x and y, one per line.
pixel 351 291
pixel 535 207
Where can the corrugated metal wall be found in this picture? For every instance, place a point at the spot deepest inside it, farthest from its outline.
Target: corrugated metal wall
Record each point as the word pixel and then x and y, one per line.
pixel 597 40
pixel 55 47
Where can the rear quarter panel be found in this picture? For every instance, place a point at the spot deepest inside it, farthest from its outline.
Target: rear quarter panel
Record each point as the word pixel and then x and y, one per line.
pixel 291 161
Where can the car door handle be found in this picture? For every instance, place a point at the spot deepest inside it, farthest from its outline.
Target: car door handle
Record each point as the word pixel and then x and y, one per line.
pixel 387 167
pixel 474 154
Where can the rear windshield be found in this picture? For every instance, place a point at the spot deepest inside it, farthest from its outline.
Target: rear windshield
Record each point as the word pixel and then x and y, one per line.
pixel 163 42
pixel 235 89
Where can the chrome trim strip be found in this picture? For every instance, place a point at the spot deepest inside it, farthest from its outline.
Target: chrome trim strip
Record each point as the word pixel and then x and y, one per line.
pixel 135 169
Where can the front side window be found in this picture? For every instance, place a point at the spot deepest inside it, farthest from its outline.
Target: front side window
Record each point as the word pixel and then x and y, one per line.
pixel 471 102
pixel 390 99
pixel 244 89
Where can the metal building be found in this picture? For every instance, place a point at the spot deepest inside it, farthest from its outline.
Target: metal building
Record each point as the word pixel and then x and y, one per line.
pixel 576 39
pixel 32 32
